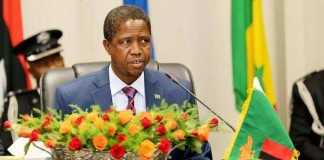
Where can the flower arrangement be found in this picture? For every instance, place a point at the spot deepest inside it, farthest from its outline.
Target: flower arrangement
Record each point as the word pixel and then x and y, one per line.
pixel 147 135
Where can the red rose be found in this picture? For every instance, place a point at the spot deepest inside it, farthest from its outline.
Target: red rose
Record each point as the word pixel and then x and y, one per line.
pixel 158 118
pixel 46 122
pixel 161 130
pixel 105 117
pixel 34 136
pixel 164 146
pixel 146 123
pixel 75 144
pixel 121 138
pixel 213 122
pixel 7 124
pixel 117 151
pixel 194 133
pixel 79 120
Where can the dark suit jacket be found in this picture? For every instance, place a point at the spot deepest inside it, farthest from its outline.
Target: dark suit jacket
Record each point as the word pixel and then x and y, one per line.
pixel 304 139
pixel 95 89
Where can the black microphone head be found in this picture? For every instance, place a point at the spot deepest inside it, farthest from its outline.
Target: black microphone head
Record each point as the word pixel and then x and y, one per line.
pixel 168 75
pixel 171 77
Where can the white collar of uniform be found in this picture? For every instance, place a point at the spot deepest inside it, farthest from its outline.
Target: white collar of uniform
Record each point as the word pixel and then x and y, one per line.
pixel 117 85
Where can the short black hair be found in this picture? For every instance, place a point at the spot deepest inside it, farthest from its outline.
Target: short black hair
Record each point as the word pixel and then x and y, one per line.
pixel 121 14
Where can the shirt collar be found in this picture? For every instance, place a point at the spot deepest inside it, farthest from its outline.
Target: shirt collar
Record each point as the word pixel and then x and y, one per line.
pixel 116 84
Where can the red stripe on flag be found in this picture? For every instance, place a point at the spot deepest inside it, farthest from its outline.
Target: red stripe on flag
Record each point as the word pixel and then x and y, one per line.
pixel 13 18
pixel 276 150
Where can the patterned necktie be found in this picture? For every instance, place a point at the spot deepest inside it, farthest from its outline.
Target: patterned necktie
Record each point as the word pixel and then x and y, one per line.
pixel 130 93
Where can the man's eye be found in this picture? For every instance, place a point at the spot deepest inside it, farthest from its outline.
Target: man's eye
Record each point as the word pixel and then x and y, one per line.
pixel 145 41
pixel 125 42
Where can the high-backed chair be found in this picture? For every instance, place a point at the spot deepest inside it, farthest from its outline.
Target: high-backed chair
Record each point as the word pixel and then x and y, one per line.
pixel 49 81
pixel 54 78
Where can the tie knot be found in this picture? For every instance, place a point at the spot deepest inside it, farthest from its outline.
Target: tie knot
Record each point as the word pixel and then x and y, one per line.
pixel 130 92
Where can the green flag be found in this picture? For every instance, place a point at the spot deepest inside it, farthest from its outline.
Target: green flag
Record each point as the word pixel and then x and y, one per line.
pixel 260 133
pixel 249 50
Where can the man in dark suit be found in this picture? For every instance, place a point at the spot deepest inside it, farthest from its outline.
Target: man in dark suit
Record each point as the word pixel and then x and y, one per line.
pixel 125 83
pixel 307 118
pixel 94 88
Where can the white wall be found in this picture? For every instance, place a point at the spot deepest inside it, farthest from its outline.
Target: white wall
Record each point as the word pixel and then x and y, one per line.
pixel 197 34
pixel 80 20
pixel 304 39
pixel 275 34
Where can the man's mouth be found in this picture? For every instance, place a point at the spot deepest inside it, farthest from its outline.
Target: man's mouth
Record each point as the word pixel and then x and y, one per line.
pixel 138 63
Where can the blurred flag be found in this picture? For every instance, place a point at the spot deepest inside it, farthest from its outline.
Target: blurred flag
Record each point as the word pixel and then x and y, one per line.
pixel 260 134
pixel 143 4
pixel 139 3
pixel 249 50
pixel 17 73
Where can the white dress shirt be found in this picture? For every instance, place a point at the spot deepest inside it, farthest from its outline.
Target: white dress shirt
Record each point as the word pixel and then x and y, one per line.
pixel 119 98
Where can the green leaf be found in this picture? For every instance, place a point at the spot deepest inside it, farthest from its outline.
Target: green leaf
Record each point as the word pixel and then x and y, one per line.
pixel 27 147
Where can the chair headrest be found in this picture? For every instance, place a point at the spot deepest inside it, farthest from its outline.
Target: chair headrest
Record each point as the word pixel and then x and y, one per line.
pixel 85 68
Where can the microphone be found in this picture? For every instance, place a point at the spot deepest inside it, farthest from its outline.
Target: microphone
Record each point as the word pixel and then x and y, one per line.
pixel 200 101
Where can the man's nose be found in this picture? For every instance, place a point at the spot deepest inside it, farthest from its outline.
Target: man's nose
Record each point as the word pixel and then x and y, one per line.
pixel 136 49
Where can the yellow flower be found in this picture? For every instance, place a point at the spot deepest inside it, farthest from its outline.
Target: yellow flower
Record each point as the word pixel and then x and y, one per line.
pixel 203 133
pixel 73 117
pixel 171 124
pixel 50 143
pixel 84 127
pixel 148 115
pixel 92 116
pixel 146 149
pixel 133 129
pixel 125 116
pixel 26 117
pixel 65 127
pixel 99 123
pixel 168 115
pixel 99 142
pixel 179 134
pixel 24 132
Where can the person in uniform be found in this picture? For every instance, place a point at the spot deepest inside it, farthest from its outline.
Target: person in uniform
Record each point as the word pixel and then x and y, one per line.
pixel 42 52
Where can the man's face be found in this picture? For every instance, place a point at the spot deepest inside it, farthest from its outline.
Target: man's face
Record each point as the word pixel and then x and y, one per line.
pixel 129 50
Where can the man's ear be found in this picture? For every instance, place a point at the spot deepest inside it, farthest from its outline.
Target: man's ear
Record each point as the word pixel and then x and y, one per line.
pixel 106 45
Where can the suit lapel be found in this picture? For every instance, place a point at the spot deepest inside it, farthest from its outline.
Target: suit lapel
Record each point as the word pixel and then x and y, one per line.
pixel 153 93
pixel 101 94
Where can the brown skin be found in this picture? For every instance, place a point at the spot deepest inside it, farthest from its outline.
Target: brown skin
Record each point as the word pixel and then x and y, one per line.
pixel 39 67
pixel 129 50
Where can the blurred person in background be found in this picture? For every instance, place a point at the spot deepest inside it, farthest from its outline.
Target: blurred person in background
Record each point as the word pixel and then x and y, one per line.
pixel 42 52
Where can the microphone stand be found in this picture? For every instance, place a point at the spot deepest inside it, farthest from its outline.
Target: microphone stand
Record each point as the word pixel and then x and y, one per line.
pixel 200 101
